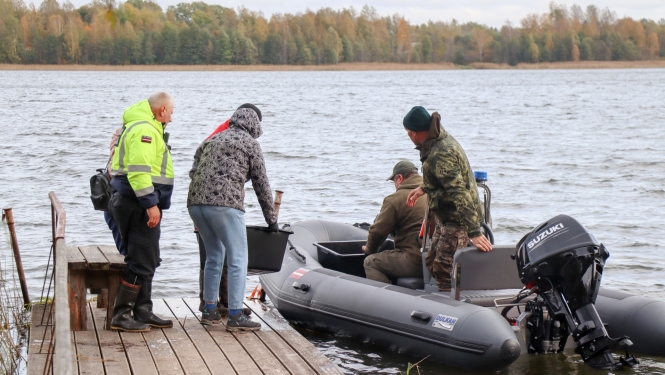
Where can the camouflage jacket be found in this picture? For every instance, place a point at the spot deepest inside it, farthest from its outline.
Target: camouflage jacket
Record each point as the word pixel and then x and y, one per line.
pixel 449 182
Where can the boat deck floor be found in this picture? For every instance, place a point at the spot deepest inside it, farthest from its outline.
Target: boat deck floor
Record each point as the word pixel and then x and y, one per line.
pixel 187 348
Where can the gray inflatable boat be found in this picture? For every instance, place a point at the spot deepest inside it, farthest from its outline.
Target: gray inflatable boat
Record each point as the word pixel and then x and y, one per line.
pixel 489 318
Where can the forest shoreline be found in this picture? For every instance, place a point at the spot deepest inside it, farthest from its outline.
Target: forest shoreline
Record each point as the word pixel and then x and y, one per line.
pixel 644 64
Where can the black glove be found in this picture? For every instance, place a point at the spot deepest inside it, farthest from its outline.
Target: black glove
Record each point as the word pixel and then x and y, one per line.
pixel 273 227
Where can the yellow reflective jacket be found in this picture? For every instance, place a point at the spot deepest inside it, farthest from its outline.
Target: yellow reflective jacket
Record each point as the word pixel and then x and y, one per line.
pixel 142 165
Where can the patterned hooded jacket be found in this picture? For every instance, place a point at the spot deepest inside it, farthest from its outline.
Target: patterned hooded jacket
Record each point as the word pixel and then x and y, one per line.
pixel 228 160
pixel 448 180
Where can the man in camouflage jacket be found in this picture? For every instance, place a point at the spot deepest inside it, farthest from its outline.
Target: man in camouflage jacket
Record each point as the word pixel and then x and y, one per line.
pixel 452 191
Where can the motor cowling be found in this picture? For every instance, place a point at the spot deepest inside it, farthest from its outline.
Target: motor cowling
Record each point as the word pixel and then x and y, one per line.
pixel 562 252
pixel 563 263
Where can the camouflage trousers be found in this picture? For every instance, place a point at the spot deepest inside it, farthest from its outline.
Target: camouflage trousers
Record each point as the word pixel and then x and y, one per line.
pixel 446 240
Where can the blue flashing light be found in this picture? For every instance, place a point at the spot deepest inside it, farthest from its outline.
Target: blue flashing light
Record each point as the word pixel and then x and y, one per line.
pixel 480 176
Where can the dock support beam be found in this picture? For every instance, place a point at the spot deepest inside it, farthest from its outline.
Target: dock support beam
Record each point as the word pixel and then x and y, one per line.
pixel 9 216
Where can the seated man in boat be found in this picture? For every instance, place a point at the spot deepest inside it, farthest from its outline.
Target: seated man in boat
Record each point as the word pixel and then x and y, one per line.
pixel 403 223
pixel 453 194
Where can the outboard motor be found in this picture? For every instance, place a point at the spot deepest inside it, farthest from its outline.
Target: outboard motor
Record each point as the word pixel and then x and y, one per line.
pixel 562 262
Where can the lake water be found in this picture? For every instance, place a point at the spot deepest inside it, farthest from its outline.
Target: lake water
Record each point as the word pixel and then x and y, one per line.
pixel 587 143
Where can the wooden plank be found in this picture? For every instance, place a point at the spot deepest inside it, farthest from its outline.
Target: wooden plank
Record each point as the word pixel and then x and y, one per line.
pixel 88 354
pixel 162 353
pixel 319 362
pixel 190 359
pixel 138 354
pixel 113 352
pixel 242 363
pixel 75 260
pixel 77 304
pixel 75 368
pixel 261 355
pixel 94 258
pixel 206 346
pixel 37 352
pixel 62 334
pixel 293 362
pixel 116 260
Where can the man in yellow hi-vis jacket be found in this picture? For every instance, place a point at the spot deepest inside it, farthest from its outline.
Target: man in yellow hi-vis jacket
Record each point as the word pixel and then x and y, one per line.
pixel 143 179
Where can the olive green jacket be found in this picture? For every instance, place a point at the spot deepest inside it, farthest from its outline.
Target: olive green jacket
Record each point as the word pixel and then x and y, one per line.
pixel 400 220
pixel 448 180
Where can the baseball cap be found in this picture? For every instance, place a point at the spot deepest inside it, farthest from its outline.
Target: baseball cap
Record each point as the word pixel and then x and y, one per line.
pixel 403 167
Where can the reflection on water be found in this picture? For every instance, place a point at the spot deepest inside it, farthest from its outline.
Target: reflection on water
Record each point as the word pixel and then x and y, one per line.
pixel 584 143
pixel 355 357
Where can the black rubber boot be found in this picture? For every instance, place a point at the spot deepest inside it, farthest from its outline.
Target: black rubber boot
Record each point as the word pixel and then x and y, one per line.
pixel 143 309
pixel 122 310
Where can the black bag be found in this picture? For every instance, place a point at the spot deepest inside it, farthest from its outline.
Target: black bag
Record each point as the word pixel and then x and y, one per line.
pixel 100 190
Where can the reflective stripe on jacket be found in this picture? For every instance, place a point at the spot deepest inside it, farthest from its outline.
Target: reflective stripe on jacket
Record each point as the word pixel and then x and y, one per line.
pixel 142 165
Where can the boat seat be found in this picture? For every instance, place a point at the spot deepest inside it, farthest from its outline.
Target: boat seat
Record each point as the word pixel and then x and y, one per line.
pixel 481 277
pixel 411 282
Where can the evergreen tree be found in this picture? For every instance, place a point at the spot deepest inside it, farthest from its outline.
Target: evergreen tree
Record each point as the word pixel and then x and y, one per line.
pixel 148 57
pixel 459 57
pixel 426 49
pixel 170 44
pixel 347 50
pixel 53 51
pixel 222 53
pixel 192 45
pixel 586 53
pixel 273 50
pixel 305 56
pixel 138 48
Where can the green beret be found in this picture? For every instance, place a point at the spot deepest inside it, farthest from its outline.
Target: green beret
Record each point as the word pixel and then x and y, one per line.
pixel 417 120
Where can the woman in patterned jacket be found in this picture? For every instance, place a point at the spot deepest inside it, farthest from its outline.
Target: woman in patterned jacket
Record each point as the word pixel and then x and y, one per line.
pixel 216 205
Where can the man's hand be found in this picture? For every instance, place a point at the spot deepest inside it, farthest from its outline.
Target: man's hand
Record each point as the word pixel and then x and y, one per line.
pixel 154 216
pixel 482 243
pixel 274 227
pixel 364 249
pixel 413 196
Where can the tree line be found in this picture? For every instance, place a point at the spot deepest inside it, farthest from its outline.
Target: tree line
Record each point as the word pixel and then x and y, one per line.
pixel 141 32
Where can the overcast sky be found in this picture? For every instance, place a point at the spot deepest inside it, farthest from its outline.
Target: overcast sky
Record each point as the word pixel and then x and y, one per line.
pixel 488 12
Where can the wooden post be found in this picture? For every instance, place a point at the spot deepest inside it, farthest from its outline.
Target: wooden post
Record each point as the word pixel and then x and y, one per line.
pixel 278 201
pixel 77 300
pixel 103 299
pixel 7 213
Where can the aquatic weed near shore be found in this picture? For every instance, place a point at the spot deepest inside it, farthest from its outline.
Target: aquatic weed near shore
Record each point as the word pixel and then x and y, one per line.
pixel 410 366
pixel 14 319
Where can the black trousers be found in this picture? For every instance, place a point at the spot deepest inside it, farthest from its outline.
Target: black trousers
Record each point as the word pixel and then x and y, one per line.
pixel 223 281
pixel 141 242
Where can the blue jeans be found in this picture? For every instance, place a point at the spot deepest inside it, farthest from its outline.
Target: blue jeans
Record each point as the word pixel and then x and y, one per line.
pixel 224 234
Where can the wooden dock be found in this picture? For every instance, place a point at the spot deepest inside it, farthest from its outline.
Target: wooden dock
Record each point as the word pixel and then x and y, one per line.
pixel 187 348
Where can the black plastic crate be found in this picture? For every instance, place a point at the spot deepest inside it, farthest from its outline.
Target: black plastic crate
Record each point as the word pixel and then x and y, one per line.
pixel 265 250
pixel 346 256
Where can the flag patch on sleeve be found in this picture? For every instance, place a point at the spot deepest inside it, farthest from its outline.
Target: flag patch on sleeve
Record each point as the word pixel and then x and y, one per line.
pixel 146 139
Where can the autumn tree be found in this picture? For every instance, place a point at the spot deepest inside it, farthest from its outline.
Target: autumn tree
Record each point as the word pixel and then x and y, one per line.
pixel 480 39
